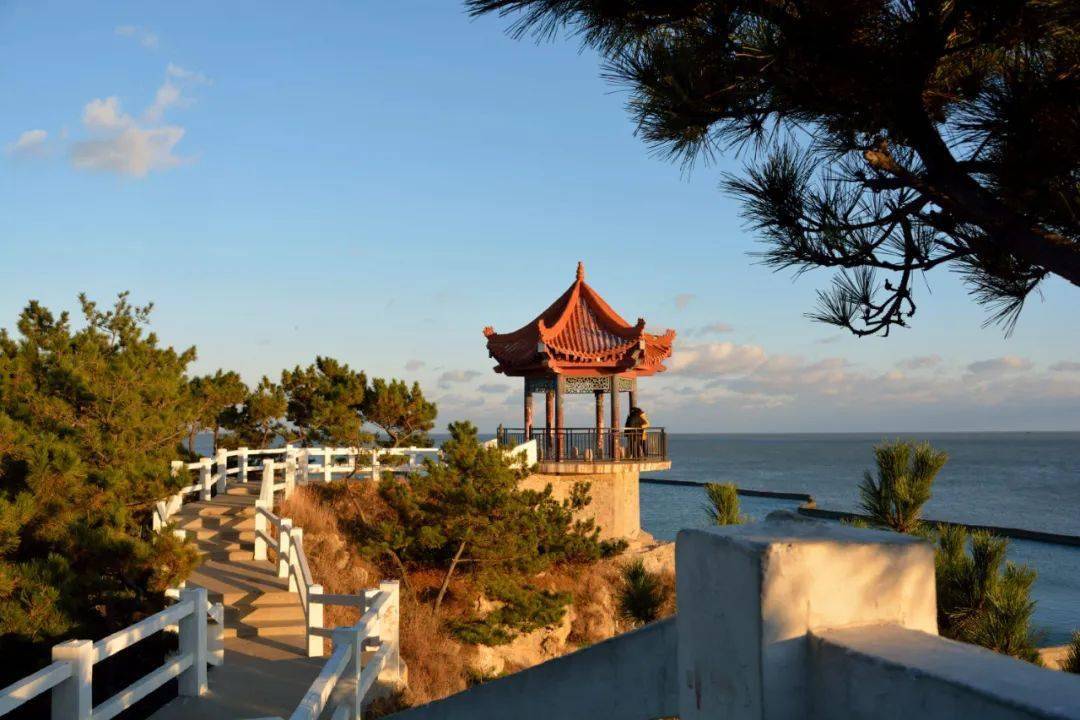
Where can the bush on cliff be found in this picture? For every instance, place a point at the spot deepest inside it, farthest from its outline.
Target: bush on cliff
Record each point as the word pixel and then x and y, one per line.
pixel 466 520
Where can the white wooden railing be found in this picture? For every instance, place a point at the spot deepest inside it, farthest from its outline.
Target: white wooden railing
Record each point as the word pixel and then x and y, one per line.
pixel 201 626
pixel 319 463
pixel 69 678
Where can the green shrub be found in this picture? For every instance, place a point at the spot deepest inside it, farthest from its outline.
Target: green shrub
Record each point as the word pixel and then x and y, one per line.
pixel 905 476
pixel 524 609
pixel 1072 658
pixel 982 598
pixel 722 506
pixel 641 594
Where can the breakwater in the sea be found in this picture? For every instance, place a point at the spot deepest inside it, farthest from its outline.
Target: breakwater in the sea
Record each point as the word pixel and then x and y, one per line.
pixel 808 507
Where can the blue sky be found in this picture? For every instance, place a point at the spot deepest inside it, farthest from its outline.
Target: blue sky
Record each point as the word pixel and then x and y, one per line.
pixel 379 181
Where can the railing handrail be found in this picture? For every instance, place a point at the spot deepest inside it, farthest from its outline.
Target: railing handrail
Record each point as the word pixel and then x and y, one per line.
pixel 70 676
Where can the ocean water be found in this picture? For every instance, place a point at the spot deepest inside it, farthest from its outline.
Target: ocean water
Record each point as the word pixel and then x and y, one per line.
pixel 1025 480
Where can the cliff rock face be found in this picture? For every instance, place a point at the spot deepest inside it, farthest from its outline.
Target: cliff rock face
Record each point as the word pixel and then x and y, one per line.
pixel 591 618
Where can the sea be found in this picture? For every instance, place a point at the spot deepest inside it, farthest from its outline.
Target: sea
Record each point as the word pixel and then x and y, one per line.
pixel 1023 480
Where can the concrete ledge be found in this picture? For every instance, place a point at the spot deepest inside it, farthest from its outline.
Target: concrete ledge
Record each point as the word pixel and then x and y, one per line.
pixel 885 671
pixel 575 467
pixel 629 677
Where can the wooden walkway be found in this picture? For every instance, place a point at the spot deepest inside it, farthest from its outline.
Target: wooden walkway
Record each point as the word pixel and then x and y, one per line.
pixel 266 670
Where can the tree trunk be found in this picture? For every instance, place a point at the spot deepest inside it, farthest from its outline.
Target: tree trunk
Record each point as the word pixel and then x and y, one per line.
pixel 449 574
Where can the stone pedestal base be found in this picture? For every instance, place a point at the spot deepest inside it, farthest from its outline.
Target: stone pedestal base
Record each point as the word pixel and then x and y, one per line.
pixel 615 505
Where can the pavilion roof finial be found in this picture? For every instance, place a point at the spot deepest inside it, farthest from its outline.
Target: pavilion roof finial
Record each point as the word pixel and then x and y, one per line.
pixel 580 271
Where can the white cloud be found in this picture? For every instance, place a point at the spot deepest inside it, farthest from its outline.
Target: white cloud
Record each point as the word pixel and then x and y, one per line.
pixel 493 388
pixel 31 143
pixel 121 145
pixel 999 365
pixel 451 377
pixel 715 328
pixel 414 365
pixel 684 299
pixel 1066 366
pixel 715 359
pixel 145 37
pixel 919 362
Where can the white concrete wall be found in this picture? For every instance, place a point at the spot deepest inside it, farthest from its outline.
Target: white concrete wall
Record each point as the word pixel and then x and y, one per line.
pixel 749 594
pixel 788 619
pixel 885 672
pixel 630 677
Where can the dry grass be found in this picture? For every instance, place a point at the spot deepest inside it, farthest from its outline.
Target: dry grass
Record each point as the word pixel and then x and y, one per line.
pixel 334 563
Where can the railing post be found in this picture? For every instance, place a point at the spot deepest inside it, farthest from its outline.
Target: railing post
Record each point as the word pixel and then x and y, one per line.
pixel 192 681
pixel 285 551
pixel 314 620
pixel 389 626
pixel 72 699
pixel 328 459
pixel 223 470
pixel 375 472
pixel 302 466
pixel 242 457
pixel 260 526
pixel 357 641
pixel 204 478
pixel 290 477
pixel 266 491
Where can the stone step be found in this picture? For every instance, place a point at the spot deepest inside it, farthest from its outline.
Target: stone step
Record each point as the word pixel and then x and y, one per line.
pixel 212 509
pixel 244 490
pixel 218 522
pixel 244 630
pixel 238 581
pixel 228 535
pixel 266 614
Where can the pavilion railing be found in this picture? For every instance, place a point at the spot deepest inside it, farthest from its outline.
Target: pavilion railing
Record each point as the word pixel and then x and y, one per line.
pixel 590 444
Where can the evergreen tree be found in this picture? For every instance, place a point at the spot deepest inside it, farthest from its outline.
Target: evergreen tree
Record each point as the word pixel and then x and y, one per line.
pixel 466 515
pixel 884 137
pixel 982 598
pixel 400 411
pixel 260 421
pixel 722 506
pixel 905 476
pixel 641 594
pixel 216 397
pixel 325 403
pixel 89 420
pixel 1072 657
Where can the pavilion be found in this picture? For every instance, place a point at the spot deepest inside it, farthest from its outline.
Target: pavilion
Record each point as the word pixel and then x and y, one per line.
pixel 580 345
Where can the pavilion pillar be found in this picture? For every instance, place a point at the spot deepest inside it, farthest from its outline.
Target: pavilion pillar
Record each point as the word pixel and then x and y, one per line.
pixel 560 440
pixel 528 412
pixel 549 418
pixel 616 417
pixel 633 393
pixel 599 394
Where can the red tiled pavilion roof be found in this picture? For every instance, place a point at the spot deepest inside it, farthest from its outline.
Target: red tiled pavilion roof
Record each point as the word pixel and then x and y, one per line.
pixel 579 334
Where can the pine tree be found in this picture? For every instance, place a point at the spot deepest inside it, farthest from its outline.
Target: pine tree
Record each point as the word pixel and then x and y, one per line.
pixel 905 476
pixel 400 411
pixel 641 594
pixel 216 398
pixel 325 403
pixel 884 138
pixel 89 420
pixel 466 515
pixel 723 504
pixel 982 598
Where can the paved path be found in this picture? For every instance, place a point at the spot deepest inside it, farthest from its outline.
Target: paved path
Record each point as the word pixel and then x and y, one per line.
pixel 266 669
